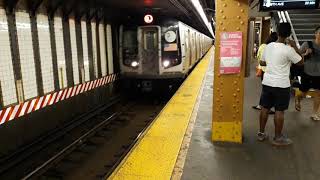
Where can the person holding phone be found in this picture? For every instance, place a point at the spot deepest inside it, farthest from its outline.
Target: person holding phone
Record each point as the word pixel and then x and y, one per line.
pixel 277 57
pixel 310 77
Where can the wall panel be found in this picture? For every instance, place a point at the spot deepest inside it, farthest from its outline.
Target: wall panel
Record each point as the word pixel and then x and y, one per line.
pixel 58 30
pixel 74 50
pixel 85 50
pixel 94 46
pixel 26 55
pixel 103 52
pixel 110 49
pixel 45 53
pixel 7 81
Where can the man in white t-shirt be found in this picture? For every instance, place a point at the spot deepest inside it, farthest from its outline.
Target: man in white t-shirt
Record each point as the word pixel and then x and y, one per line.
pixel 276 83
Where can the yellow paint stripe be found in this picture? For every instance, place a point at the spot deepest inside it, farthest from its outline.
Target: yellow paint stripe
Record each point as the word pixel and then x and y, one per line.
pixel 155 155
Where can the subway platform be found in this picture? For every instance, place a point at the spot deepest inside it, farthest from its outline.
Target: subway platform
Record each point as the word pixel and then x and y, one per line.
pixel 178 144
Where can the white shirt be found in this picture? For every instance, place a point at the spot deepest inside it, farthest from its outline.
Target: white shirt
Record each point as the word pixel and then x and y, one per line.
pixel 279 58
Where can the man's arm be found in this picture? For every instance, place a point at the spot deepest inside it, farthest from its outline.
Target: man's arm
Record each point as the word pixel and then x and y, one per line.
pixel 294 58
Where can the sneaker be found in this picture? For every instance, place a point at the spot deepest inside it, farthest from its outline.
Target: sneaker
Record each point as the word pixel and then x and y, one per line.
pixel 257 107
pixel 281 141
pixel 315 117
pixel 262 136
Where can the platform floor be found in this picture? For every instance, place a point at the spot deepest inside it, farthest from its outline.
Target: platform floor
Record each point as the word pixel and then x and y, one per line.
pixel 253 160
pixel 178 144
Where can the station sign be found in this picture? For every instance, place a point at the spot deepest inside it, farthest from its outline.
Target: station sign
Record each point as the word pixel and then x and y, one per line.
pixel 230 52
pixel 148 18
pixel 286 4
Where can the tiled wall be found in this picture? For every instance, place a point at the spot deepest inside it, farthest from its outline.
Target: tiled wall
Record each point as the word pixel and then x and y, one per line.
pixel 26 55
pixel 58 31
pixel 7 82
pixel 103 53
pixel 110 49
pixel 94 48
pixel 74 51
pixel 85 51
pixel 45 53
pixel 28 88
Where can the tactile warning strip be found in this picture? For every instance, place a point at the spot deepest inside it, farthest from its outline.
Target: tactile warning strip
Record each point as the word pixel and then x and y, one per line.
pixel 155 155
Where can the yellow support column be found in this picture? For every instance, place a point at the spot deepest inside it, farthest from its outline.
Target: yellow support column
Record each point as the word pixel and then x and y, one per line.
pixel 231 16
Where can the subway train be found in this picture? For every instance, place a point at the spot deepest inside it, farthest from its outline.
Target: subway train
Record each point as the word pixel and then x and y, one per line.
pixel 165 52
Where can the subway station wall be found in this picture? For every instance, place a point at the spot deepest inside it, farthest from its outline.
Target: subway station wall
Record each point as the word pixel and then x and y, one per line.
pixel 52 70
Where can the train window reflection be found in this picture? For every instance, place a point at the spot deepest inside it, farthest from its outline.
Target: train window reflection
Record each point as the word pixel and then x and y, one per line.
pixel 150 40
pixel 130 40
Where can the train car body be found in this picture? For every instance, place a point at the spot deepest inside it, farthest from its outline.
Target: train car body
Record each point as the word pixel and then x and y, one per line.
pixel 163 52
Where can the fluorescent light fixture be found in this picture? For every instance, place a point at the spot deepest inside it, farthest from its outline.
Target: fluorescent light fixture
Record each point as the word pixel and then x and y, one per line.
pixel 200 10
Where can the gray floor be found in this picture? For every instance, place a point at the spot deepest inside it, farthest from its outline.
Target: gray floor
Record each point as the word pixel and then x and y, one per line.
pixel 254 160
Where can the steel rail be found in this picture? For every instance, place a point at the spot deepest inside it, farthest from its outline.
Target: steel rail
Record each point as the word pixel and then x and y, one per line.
pixel 26 151
pixel 49 163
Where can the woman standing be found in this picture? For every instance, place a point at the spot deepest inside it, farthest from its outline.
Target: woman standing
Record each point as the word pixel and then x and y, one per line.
pixel 311 76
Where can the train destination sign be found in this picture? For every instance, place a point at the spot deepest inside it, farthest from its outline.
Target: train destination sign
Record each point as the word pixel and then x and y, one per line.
pixel 148 18
pixel 230 52
pixel 288 4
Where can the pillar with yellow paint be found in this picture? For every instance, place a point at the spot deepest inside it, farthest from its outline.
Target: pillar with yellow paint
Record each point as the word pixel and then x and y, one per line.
pixel 231 16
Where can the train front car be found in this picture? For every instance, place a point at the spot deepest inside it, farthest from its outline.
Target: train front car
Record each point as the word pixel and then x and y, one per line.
pixel 160 55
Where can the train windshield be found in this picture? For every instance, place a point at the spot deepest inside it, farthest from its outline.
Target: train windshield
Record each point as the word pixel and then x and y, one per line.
pixel 130 46
pixel 130 40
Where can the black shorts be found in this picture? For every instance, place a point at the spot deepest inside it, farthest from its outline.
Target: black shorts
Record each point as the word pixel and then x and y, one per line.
pixel 308 82
pixel 276 97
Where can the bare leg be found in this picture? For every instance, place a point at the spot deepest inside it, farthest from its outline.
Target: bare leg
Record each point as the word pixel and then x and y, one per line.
pixel 298 99
pixel 316 103
pixel 278 123
pixel 264 113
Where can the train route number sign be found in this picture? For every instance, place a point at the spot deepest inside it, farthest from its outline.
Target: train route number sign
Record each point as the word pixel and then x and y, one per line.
pixel 230 52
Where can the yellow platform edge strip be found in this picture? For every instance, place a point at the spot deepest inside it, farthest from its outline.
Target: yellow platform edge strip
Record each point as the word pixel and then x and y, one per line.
pixel 155 154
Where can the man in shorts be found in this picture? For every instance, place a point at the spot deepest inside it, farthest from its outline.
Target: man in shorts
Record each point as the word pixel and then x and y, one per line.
pixel 278 57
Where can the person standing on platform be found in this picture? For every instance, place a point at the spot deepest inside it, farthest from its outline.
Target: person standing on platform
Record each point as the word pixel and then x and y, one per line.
pixel 278 58
pixel 261 69
pixel 310 78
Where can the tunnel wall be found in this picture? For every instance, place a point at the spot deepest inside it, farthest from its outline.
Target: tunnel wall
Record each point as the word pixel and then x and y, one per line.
pixel 53 69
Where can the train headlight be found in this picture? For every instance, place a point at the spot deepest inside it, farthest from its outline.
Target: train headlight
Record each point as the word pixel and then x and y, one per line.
pixel 134 63
pixel 166 63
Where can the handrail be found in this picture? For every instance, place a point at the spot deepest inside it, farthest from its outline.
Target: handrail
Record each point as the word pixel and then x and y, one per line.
pixel 295 38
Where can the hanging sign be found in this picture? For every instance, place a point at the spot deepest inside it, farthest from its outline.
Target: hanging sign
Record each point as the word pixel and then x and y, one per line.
pixel 230 52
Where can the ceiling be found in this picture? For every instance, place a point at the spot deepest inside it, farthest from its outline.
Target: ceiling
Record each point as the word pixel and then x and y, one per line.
pixel 179 9
pixel 182 10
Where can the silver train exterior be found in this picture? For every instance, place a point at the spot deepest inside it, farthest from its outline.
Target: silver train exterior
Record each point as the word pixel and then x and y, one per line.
pixel 155 52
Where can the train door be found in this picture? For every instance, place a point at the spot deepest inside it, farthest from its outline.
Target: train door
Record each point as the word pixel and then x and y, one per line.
pixel 149 49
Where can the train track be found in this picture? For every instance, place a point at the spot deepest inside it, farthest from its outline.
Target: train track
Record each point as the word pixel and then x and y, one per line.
pixel 89 150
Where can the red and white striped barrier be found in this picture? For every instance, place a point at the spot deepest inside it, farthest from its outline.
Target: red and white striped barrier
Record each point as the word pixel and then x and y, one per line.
pixel 27 107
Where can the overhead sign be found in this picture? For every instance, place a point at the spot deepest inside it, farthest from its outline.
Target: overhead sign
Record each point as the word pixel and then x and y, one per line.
pixel 230 52
pixel 148 18
pixel 286 4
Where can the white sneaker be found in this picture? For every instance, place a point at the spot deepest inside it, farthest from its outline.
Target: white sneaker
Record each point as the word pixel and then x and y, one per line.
pixel 315 117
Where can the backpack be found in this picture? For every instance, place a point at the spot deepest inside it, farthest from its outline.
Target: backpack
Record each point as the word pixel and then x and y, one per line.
pixel 312 62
